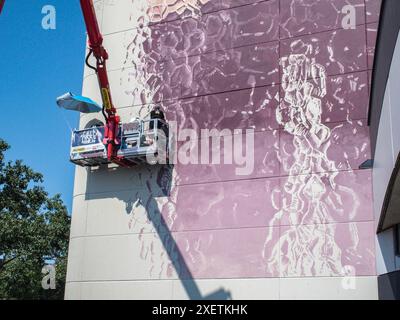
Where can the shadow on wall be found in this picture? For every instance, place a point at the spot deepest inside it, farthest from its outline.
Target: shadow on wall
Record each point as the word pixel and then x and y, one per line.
pixel 156 184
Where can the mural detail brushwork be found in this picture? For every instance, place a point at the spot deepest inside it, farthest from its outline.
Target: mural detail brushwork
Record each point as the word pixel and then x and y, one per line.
pixel 308 246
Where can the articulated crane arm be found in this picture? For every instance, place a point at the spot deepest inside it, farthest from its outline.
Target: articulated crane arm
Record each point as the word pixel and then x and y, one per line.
pixel 99 52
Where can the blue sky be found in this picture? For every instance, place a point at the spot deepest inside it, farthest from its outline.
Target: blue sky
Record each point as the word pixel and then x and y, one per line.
pixel 36 66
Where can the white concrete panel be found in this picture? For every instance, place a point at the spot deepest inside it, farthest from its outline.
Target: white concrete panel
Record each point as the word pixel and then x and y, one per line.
pixel 238 289
pixel 388 146
pixel 108 180
pixel 365 288
pixel 98 8
pixel 122 213
pixel 80 181
pixel 79 216
pixel 383 162
pixel 126 114
pixel 128 12
pixel 105 181
pixel 122 290
pixel 107 216
pixel 394 96
pixel 123 86
pixel 76 257
pixel 123 47
pixel 90 88
pixel 121 258
pixel 86 118
pixel 329 288
pixel 72 291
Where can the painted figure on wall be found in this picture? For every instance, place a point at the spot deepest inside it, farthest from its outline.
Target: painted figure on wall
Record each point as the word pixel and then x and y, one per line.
pixel 162 64
pixel 307 247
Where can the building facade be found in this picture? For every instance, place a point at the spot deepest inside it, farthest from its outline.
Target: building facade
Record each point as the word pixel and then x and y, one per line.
pixel 385 146
pixel 286 80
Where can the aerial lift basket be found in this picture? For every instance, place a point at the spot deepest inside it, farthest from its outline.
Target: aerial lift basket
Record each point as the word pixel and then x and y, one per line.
pixel 87 147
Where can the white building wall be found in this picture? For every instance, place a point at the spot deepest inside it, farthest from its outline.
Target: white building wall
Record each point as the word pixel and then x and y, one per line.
pixel 387 150
pixel 106 258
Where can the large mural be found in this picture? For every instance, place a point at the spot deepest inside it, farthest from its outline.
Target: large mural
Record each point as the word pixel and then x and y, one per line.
pixel 288 70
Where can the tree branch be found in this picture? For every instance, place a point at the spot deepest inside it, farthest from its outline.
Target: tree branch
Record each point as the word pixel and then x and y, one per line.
pixel 3 263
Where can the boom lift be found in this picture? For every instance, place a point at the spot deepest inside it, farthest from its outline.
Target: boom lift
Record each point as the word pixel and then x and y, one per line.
pixel 123 144
pixel 111 128
pixel 126 144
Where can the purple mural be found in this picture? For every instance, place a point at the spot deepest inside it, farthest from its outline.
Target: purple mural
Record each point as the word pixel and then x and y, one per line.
pixel 288 70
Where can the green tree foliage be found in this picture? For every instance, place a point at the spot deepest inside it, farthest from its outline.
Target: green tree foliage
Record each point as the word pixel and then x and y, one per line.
pixel 34 231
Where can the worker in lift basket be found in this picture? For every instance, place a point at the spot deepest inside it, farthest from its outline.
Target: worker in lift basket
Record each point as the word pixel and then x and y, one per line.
pixel 155 114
